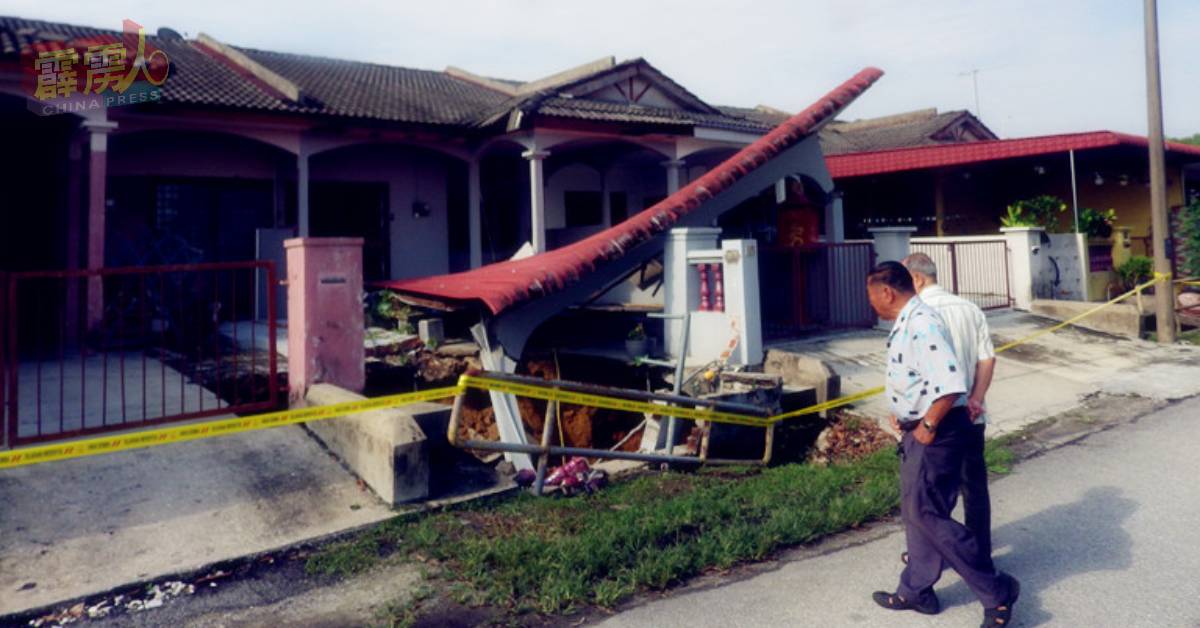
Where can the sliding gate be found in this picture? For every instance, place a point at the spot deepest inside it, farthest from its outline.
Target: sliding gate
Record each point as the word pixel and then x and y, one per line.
pixel 91 351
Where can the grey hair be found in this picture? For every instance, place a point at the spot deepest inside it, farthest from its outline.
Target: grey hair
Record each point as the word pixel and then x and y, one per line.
pixel 921 263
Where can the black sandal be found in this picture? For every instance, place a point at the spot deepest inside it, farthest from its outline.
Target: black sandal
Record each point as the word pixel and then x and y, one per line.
pixel 928 605
pixel 1002 615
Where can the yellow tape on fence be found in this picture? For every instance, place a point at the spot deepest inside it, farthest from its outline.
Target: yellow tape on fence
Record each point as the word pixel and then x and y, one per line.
pixel 165 435
pixel 549 393
pixel 194 431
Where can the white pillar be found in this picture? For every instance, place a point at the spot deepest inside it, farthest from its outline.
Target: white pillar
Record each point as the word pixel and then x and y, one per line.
pixel 891 243
pixel 780 191
pixel 1024 263
pixel 673 167
pixel 302 212
pixel 742 303
pixel 537 199
pixel 474 213
pixel 681 282
pixel 835 219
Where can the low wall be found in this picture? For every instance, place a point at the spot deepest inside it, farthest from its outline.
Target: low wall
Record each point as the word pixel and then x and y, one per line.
pixel 1121 319
pixel 386 448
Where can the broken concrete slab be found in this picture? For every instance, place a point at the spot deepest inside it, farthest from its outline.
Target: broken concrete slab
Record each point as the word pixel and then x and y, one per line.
pixel 386 447
pixel 1120 319
pixel 801 371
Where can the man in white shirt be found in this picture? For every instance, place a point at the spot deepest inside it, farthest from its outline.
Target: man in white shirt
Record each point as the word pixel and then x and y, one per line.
pixel 926 386
pixel 972 343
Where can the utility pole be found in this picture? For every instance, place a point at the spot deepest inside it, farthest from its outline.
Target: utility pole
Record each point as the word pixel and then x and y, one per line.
pixel 1164 294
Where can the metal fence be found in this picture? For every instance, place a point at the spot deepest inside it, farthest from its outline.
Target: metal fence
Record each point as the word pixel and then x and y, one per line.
pixel 815 286
pixel 90 351
pixel 976 270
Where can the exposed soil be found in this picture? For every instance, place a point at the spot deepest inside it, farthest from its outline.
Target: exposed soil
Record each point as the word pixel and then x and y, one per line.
pixel 850 437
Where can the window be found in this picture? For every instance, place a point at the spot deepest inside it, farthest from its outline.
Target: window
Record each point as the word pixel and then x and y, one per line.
pixel 583 209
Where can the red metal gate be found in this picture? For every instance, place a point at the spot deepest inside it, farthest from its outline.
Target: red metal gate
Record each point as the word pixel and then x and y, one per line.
pixel 976 270
pixel 88 351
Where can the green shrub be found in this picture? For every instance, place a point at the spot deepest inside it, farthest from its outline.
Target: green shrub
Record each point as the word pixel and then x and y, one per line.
pixel 1189 233
pixel 1137 269
pixel 1096 223
pixel 1039 211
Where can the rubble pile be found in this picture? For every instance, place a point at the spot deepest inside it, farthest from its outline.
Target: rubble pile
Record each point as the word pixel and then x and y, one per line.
pixel 848 437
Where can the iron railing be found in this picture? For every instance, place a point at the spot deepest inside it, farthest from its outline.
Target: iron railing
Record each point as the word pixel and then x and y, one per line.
pixel 976 270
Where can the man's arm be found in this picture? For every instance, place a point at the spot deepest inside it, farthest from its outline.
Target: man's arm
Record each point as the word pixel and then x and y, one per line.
pixel 984 369
pixel 935 415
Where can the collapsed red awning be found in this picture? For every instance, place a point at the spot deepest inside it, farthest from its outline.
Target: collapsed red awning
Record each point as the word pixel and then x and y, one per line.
pixel 502 285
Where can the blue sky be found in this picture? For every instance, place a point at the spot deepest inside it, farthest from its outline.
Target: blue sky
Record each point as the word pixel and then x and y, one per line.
pixel 1044 66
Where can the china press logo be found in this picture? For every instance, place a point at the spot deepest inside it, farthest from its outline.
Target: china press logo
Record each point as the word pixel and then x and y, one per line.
pixel 92 73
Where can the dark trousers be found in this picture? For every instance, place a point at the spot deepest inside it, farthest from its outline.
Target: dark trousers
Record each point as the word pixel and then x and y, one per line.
pixel 930 479
pixel 977 504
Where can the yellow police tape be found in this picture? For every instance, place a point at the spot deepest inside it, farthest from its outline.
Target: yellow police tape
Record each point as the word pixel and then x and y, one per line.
pixel 162 436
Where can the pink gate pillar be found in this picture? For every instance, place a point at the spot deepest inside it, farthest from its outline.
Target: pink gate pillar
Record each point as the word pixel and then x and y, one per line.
pixel 325 314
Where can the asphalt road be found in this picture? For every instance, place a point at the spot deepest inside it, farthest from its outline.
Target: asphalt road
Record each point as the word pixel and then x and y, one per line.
pixel 1101 533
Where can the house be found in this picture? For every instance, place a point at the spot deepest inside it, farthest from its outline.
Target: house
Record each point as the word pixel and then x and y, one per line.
pixel 964 188
pixel 439 171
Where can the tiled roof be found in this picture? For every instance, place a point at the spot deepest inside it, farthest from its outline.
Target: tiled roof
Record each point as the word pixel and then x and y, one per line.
pixel 922 157
pixel 584 109
pixel 920 128
pixel 505 284
pixel 354 89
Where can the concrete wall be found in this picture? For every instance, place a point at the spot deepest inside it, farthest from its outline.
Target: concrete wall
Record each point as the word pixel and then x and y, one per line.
pixel 386 448
pixel 1068 253
pixel 419 246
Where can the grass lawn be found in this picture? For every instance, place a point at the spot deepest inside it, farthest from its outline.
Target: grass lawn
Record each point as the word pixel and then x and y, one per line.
pixel 554 555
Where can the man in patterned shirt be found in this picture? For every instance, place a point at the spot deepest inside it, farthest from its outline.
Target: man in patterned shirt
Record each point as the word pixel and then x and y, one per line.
pixel 926 387
pixel 972 343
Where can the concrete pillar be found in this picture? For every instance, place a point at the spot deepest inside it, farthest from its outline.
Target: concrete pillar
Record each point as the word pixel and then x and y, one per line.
pixel 742 298
pixel 325 314
pixel 673 167
pixel 302 211
pixel 97 130
pixel 891 243
pixel 681 282
pixel 537 199
pixel 605 198
pixel 1024 262
pixel 474 213
pixel 835 219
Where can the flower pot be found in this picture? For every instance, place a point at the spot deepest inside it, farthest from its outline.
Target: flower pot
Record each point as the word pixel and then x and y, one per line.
pixel 636 348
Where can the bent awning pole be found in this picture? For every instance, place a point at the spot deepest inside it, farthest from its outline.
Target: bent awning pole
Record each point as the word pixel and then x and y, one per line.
pixel 504 405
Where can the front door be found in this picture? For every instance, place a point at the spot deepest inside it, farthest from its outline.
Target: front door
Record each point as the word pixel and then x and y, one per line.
pixel 342 209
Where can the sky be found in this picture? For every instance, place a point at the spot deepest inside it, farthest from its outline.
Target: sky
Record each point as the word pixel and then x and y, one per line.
pixel 1041 66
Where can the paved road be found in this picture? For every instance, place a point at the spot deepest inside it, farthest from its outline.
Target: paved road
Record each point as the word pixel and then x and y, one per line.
pixel 1101 533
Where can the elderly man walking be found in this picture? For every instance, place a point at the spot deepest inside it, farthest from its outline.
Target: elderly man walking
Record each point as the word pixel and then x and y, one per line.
pixel 926 387
pixel 972 343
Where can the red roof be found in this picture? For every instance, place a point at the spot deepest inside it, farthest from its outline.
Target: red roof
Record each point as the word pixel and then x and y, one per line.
pixel 504 284
pixel 921 157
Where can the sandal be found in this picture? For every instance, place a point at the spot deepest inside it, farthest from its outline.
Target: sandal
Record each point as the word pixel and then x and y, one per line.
pixel 927 605
pixel 1001 615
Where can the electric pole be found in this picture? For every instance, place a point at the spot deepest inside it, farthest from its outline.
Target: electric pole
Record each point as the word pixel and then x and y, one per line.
pixel 1164 294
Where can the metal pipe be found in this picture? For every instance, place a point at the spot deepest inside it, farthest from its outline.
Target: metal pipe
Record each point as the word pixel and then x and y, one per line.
pixel 672 422
pixel 488 445
pixel 632 395
pixel 544 458
pixel 1074 190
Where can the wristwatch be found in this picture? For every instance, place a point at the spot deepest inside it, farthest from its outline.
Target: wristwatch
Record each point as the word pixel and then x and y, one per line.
pixel 929 427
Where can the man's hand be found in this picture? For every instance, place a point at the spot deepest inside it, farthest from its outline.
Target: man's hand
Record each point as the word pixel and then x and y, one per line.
pixel 976 407
pixel 923 436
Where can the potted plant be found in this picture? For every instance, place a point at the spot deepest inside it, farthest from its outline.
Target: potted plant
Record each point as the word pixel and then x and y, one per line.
pixel 1039 211
pixel 1095 223
pixel 635 341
